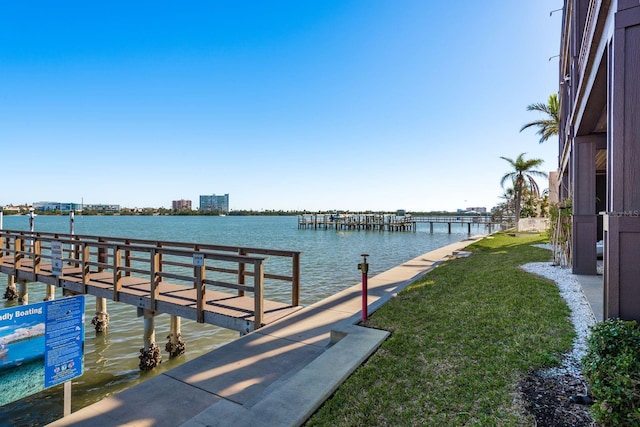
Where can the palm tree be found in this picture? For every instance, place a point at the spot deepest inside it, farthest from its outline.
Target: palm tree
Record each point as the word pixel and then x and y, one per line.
pixel 503 210
pixel 548 126
pixel 522 176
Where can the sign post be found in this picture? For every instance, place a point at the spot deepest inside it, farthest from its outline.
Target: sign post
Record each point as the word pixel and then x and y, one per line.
pixel 56 258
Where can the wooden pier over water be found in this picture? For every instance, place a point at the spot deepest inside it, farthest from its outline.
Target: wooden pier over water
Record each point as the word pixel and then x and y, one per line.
pixel 389 222
pixel 218 285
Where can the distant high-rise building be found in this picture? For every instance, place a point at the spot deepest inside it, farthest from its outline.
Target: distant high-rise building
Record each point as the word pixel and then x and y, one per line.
pixel 180 205
pixel 105 209
pixel 477 209
pixel 57 207
pixel 74 207
pixel 214 203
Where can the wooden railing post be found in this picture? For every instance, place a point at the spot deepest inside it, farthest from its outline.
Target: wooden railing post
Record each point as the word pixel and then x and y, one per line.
pixel 258 295
pixel 117 273
pixel 102 255
pixel 241 272
pixel 295 279
pixel 84 263
pixel 127 258
pixel 76 250
pixel 18 246
pixel 155 277
pixel 37 256
pixel 199 271
pixel 160 257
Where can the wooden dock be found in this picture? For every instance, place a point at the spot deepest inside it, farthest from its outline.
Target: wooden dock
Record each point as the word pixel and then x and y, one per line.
pixel 468 220
pixel 218 285
pixel 388 222
pixel 380 222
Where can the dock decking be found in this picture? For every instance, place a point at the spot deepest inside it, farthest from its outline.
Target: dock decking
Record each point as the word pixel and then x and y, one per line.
pixel 205 283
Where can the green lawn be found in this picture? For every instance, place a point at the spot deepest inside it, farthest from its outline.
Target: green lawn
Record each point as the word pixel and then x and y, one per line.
pixel 461 339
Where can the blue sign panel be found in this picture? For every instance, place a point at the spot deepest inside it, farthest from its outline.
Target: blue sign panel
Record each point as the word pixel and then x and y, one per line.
pixel 41 345
pixel 64 340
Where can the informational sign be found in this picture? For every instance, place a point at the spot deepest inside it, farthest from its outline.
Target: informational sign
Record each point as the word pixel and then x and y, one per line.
pixel 56 258
pixel 41 345
pixel 64 340
pixel 198 260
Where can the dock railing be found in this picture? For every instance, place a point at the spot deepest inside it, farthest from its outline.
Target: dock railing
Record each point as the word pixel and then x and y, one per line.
pixel 356 221
pixel 29 256
pixel 389 222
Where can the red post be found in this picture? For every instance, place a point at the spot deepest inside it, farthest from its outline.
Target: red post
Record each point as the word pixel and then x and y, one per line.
pixel 364 267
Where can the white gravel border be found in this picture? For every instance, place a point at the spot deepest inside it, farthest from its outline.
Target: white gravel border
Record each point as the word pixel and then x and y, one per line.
pixel 581 314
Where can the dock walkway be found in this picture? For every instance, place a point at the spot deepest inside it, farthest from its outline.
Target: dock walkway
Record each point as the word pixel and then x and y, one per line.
pixel 218 285
pixel 277 375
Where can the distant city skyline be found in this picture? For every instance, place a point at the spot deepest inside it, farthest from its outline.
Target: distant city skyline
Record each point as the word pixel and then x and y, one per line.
pixel 182 204
pixel 340 104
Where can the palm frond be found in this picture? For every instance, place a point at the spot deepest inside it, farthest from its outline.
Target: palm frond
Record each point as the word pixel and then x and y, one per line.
pixel 549 126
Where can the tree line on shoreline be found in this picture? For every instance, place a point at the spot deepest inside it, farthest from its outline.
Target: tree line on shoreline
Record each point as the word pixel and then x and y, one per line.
pixel 241 212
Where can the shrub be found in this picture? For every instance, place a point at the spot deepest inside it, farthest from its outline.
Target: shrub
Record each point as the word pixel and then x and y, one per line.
pixel 612 368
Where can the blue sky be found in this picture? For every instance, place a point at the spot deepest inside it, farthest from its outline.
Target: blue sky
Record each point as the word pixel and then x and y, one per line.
pixel 316 105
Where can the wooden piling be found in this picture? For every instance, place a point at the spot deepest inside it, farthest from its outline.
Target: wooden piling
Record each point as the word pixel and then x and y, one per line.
pixel 149 329
pixel 174 328
pixel 50 293
pixel 101 319
pixel 11 292
pixel 175 346
pixel 150 355
pixel 23 292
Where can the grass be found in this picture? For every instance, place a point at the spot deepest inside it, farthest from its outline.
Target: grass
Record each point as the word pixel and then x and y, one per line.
pixel 461 339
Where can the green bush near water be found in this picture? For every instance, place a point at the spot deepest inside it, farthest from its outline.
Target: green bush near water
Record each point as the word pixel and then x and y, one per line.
pixel 612 368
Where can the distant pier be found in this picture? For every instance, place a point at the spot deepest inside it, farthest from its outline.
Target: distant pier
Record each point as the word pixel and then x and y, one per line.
pixel 388 222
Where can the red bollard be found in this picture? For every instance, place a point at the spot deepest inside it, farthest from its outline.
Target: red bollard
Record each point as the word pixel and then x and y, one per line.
pixel 364 267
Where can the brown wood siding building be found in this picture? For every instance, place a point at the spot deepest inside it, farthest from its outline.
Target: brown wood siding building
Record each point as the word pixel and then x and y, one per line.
pixel 599 143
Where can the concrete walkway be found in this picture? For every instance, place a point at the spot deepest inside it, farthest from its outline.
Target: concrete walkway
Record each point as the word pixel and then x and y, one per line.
pixel 280 374
pixel 277 375
pixel 593 286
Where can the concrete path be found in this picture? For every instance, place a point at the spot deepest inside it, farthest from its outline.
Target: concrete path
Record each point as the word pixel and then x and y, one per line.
pixel 593 286
pixel 277 375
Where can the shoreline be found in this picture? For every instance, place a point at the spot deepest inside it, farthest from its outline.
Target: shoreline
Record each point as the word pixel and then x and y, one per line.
pixel 111 361
pixel 248 378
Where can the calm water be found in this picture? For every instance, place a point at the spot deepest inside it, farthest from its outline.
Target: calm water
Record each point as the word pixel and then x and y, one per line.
pixel 328 264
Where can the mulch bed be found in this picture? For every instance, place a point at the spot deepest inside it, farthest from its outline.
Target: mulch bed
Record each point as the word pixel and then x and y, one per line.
pixel 551 400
